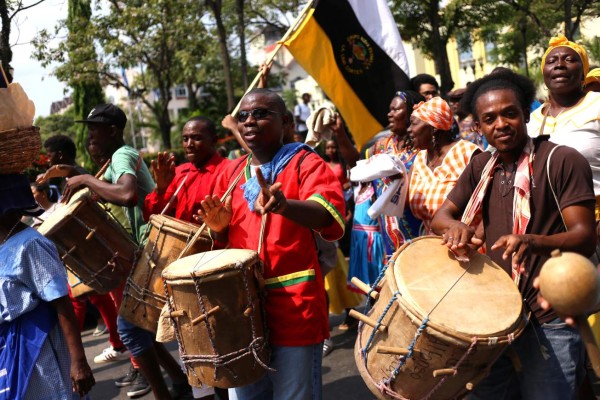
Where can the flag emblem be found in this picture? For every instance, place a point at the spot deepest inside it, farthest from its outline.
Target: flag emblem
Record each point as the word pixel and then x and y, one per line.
pixel 357 55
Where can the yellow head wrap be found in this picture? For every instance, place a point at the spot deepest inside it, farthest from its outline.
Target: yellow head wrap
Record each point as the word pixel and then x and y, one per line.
pixel 592 76
pixel 562 41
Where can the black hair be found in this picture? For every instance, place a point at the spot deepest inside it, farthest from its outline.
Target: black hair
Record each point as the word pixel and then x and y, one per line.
pixel 42 188
pixel 210 125
pixel 273 97
pixel 502 79
pixel 411 98
pixel 62 143
pixel 420 79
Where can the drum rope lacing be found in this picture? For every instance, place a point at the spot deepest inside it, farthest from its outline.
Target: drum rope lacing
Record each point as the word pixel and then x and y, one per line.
pixel 385 385
pixel 143 291
pixel 256 346
pixel 112 262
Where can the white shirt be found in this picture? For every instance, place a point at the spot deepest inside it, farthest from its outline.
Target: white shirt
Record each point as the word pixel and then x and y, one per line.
pixel 577 127
pixel 303 111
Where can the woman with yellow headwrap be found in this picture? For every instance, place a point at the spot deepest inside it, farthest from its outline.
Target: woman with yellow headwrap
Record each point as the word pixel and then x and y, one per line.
pixel 592 81
pixel 571 116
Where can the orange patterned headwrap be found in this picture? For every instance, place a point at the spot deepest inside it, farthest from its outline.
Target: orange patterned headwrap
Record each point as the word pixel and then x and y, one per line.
pixel 592 76
pixel 562 41
pixel 435 112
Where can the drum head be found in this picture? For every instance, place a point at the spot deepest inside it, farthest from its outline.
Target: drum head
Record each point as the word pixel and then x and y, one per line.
pixel 59 216
pixel 208 263
pixel 484 300
pixel 185 228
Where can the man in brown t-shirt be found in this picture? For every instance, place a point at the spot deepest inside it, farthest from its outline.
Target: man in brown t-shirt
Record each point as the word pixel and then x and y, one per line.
pixel 526 214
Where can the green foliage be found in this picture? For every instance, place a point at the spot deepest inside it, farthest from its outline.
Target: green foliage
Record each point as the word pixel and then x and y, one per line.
pixel 593 48
pixel 57 124
pixel 429 25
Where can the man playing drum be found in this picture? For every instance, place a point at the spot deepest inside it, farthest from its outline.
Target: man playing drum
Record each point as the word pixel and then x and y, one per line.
pixel 61 151
pixel 299 196
pixel 182 188
pixel 127 182
pixel 527 212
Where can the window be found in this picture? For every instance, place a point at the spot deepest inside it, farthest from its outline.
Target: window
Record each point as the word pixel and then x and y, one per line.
pixel 180 92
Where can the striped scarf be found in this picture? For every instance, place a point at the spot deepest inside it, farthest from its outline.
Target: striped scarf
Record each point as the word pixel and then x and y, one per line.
pixel 521 200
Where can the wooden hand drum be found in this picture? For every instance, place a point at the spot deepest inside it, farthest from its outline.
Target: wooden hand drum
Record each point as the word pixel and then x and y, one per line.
pixel 93 245
pixel 144 294
pixel 214 300
pixel 438 323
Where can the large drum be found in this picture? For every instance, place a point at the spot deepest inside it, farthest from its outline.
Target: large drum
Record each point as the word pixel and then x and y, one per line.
pixel 93 246
pixel 439 324
pixel 215 305
pixel 144 295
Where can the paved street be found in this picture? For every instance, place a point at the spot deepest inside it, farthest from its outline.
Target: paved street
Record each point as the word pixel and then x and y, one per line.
pixel 341 380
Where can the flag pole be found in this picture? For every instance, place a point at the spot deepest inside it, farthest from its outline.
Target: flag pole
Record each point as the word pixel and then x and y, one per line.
pixel 272 55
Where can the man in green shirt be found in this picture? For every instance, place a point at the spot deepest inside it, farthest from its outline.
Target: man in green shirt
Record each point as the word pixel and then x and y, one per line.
pixel 127 182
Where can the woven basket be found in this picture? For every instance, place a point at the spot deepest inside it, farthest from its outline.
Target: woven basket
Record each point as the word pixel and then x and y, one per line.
pixel 18 149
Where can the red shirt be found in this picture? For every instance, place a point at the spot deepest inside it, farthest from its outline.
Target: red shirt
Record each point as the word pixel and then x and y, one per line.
pixel 200 182
pixel 295 301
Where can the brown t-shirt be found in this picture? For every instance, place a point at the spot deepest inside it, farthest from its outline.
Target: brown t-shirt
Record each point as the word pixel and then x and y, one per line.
pixel 572 182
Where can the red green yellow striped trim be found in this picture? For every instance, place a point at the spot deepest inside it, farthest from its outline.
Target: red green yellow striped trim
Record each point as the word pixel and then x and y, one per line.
pixel 330 208
pixel 290 279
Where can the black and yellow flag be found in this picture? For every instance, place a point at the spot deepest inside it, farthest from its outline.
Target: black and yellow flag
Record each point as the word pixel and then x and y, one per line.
pixel 352 48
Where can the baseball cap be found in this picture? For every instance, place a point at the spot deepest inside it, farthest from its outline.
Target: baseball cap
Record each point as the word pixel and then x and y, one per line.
pixel 106 114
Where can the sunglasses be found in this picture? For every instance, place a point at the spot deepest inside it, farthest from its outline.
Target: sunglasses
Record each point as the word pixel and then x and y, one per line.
pixel 257 113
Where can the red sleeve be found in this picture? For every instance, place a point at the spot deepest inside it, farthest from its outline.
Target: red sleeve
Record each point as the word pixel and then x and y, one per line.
pixel 155 203
pixel 318 183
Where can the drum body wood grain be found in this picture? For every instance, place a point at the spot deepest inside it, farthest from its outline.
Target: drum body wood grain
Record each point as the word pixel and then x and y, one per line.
pixel 215 302
pixel 93 245
pixel 456 317
pixel 78 288
pixel 144 295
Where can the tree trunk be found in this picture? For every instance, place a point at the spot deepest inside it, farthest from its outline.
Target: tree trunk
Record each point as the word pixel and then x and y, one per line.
pixel 87 92
pixel 164 123
pixel 242 35
pixel 192 97
pixel 568 20
pixel 441 54
pixel 216 6
pixel 5 50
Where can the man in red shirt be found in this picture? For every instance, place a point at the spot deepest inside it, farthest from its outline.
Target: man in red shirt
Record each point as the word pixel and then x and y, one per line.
pixel 191 181
pixel 300 197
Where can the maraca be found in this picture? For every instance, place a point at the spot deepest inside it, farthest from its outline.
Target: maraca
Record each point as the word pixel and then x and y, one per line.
pixel 571 284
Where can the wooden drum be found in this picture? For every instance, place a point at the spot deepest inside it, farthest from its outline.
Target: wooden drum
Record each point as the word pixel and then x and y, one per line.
pixel 93 246
pixel 78 288
pixel 215 306
pixel 438 324
pixel 144 295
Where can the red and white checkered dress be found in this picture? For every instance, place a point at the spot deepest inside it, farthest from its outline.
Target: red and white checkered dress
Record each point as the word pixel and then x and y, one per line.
pixel 429 188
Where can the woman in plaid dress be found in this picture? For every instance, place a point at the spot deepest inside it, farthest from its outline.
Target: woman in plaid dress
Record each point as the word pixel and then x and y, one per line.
pixel 440 160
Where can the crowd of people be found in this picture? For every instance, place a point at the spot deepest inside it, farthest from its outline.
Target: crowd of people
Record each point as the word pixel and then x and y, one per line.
pixel 485 170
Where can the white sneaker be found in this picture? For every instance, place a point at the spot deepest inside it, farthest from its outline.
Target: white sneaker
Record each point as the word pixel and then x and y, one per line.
pixel 109 354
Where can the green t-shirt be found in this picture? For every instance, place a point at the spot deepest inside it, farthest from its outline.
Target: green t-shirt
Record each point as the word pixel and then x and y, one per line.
pixel 126 160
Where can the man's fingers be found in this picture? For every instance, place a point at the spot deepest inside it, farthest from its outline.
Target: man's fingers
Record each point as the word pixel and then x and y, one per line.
pixel 228 201
pixel 476 241
pixel 276 187
pixel 261 179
